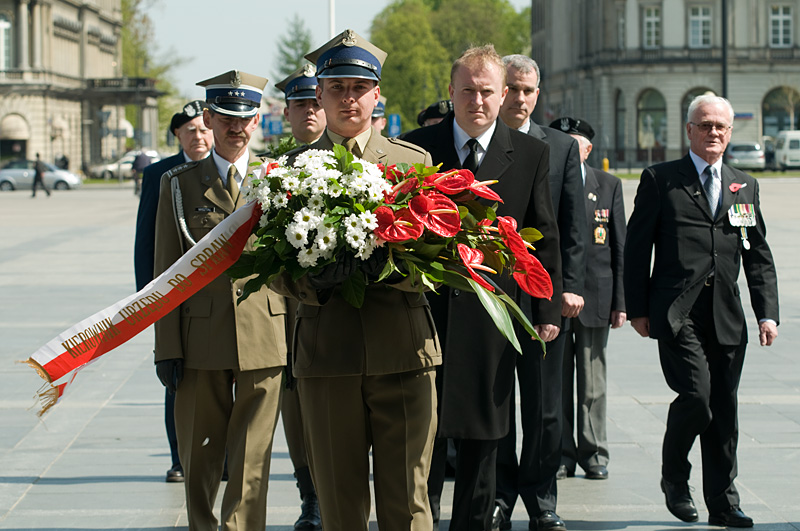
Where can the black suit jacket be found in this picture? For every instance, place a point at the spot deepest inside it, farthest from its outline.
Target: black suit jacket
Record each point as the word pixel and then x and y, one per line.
pixel 478 374
pixel 605 214
pixel 144 242
pixel 566 188
pixel 671 215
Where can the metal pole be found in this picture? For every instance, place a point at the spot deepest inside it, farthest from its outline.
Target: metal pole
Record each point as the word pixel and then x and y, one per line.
pixel 332 18
pixel 724 48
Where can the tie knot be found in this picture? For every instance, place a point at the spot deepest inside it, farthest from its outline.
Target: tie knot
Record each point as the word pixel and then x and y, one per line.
pixel 350 145
pixel 710 171
pixel 472 144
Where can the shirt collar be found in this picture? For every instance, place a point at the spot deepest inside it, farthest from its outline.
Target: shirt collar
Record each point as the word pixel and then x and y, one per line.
pixel 361 139
pixel 524 128
pixel 701 165
pixel 223 165
pixel 460 136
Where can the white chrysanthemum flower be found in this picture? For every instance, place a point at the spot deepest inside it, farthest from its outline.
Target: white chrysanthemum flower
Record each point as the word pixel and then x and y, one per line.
pixel 290 182
pixel 317 185
pixel 370 243
pixel 317 202
pixel 335 189
pixel 368 220
pixel 308 257
pixel 353 222
pixel 326 238
pixel 297 234
pixel 263 221
pixel 310 217
pixel 279 200
pixel 262 195
pixel 356 238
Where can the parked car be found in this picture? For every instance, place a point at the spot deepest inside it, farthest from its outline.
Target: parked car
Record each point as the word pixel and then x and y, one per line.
pixel 124 165
pixel 746 156
pixel 787 150
pixel 18 174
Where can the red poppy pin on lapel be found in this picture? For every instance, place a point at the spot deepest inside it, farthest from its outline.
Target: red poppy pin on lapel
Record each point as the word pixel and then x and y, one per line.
pixel 734 187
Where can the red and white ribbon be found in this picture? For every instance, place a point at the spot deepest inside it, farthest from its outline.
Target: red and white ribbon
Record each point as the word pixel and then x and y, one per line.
pixel 59 361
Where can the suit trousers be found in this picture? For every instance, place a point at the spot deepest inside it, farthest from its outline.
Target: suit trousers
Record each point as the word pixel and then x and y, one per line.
pixel 585 375
pixel 474 493
pixel 169 422
pixel 533 477
pixel 211 416
pixel 706 377
pixel 395 415
pixel 293 428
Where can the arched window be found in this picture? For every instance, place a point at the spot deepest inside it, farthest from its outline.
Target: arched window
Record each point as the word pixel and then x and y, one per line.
pixel 651 126
pixel 780 110
pixel 687 99
pixel 620 143
pixel 5 42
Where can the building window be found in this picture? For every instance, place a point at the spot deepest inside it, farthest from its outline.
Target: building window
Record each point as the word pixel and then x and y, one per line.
pixel 699 27
pixel 620 29
pixel 5 43
pixel 651 30
pixel 651 126
pixel 780 26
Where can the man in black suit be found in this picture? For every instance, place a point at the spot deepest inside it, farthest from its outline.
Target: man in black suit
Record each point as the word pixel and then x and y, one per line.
pixel 704 221
pixel 195 140
pixel 477 377
pixel 604 297
pixel 533 477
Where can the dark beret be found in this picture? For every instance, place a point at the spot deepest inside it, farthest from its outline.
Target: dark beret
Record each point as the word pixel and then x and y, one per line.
pixel 571 126
pixel 190 111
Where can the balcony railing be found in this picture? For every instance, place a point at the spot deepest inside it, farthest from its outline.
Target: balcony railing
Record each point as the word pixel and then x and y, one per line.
pixel 686 54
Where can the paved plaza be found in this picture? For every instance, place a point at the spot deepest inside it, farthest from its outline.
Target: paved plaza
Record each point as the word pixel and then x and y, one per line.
pixel 98 459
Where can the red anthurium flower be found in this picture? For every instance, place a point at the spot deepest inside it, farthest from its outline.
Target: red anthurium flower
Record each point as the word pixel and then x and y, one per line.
pixel 437 212
pixel 473 259
pixel 508 231
pixel 452 182
pixel 397 226
pixel 481 189
pixel 533 278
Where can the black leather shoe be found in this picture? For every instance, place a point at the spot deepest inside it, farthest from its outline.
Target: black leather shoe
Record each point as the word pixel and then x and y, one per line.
pixel 309 515
pixel 499 522
pixel 549 521
pixel 733 517
pixel 175 474
pixel 564 472
pixel 679 501
pixel 597 472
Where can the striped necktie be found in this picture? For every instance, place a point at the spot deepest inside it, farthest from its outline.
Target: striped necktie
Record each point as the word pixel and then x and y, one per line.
pixel 712 188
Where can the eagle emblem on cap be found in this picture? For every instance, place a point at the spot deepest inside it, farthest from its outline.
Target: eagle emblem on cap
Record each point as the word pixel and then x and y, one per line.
pixel 349 38
pixel 565 124
pixel 309 70
pixel 444 107
pixel 236 79
pixel 189 110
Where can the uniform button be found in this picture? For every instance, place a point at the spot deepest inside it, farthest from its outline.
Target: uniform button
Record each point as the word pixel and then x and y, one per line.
pixel 239 292
pixel 715 253
pixel 186 311
pixel 456 292
pixel 302 295
pixel 205 219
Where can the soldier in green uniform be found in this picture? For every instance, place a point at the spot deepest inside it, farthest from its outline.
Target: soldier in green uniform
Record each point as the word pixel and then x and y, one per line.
pixel 307 120
pixel 210 342
pixel 365 376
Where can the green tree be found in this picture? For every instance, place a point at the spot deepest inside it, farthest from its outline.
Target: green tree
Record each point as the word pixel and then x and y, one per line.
pixel 138 60
pixel 417 69
pixel 292 48
pixel 463 23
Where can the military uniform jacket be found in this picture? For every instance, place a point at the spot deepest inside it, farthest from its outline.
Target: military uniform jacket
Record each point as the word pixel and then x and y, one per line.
pixel 671 214
pixel 605 214
pixel 210 330
pixel 392 332
pixel 478 371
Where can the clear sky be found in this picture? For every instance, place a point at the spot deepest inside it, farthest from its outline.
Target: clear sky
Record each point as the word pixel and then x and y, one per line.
pixel 214 37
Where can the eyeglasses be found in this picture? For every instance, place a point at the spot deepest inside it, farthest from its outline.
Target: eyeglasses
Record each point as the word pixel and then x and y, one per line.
pixel 706 127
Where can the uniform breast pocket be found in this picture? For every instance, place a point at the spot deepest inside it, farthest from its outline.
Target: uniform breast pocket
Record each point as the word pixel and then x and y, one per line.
pixel 203 218
pixel 306 330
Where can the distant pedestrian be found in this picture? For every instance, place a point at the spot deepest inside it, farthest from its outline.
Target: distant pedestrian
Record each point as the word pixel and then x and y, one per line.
pixel 141 161
pixel 38 178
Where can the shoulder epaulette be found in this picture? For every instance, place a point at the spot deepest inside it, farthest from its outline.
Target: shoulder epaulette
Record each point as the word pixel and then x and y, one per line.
pixel 180 168
pixel 407 145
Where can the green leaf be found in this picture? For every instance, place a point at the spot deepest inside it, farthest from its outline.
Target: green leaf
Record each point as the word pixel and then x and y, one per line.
pixel 517 313
pixel 250 287
pixel 354 289
pixel 243 267
pixel 530 234
pixel 498 312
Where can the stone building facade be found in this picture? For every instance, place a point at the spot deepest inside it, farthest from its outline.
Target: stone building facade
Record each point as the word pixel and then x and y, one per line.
pixel 61 90
pixel 631 67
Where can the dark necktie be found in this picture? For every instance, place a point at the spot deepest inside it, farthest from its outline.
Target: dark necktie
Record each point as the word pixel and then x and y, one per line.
pixel 712 188
pixel 232 186
pixel 471 162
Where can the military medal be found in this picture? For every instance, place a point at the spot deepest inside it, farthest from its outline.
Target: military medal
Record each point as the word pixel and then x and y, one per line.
pixel 600 234
pixel 601 216
pixel 745 242
pixel 743 215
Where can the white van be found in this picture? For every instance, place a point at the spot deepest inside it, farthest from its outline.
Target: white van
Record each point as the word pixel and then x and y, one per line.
pixel 787 150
